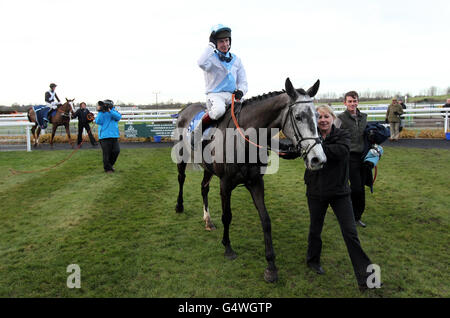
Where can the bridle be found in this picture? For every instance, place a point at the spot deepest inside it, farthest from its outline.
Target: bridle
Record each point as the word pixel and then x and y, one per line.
pixel 297 134
pixel 63 113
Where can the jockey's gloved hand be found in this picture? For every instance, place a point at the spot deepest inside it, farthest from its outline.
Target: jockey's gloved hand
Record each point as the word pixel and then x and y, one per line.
pixel 238 94
pixel 212 39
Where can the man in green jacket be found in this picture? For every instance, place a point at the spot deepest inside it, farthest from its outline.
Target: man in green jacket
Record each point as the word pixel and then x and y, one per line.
pixel 355 122
pixel 395 110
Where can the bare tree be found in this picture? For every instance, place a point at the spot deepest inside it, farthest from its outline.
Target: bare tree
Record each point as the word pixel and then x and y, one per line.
pixel 432 91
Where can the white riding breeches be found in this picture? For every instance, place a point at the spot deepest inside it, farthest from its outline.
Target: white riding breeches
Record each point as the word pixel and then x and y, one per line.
pixel 216 104
pixel 52 105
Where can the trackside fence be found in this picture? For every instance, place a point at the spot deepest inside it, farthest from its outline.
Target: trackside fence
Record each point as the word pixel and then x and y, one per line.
pixel 15 124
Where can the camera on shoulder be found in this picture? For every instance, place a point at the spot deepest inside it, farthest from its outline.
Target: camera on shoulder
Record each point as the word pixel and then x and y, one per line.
pixel 105 105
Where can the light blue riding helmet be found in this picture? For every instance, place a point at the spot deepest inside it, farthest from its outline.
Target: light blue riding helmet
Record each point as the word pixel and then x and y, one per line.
pixel 221 31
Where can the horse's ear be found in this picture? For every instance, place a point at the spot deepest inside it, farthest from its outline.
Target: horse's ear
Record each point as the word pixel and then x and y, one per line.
pixel 312 91
pixel 67 99
pixel 290 90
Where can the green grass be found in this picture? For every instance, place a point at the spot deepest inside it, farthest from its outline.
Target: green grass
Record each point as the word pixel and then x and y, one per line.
pixel 123 232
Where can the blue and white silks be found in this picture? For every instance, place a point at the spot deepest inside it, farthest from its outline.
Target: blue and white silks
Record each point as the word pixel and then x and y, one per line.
pixel 221 76
pixel 195 122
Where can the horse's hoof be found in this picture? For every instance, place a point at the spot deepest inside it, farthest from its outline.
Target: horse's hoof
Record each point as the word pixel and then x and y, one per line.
pixel 210 226
pixel 270 276
pixel 231 255
pixel 179 208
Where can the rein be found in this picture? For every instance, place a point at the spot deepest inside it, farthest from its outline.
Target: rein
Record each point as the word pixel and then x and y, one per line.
pixel 297 134
pixel 63 113
pixel 375 176
pixel 17 172
pixel 239 128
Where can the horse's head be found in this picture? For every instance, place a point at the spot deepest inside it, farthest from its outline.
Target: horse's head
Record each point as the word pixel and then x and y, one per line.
pixel 68 105
pixel 300 125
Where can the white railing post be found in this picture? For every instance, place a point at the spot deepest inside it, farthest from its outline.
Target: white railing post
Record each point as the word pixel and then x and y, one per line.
pixel 27 129
pixel 446 122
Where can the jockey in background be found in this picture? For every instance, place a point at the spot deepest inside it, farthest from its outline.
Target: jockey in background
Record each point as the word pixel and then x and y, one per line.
pixel 51 99
pixel 224 75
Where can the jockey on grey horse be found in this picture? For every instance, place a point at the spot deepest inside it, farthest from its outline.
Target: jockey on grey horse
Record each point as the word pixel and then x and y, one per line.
pixel 224 76
pixel 51 99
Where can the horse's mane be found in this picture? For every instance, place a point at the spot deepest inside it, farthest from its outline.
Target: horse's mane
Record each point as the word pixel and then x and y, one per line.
pixel 262 97
pixel 269 95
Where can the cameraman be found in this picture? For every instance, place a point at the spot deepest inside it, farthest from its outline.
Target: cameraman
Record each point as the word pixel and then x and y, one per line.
pixel 108 133
pixel 83 123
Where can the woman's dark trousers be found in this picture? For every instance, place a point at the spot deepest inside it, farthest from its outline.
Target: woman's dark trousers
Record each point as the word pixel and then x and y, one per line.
pixel 342 207
pixel 88 129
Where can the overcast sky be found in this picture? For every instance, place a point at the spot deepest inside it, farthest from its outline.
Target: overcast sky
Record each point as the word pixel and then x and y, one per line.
pixel 127 50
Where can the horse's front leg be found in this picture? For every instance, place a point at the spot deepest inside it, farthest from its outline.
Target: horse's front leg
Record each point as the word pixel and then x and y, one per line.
pixel 207 176
pixel 38 133
pixel 256 188
pixel 67 126
pixel 53 135
pixel 33 132
pixel 225 194
pixel 181 177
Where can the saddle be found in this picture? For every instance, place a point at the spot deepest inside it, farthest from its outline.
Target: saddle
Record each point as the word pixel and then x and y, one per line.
pixel 43 113
pixel 52 113
pixel 197 119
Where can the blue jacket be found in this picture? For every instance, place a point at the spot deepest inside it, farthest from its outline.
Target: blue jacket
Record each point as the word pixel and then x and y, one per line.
pixel 374 155
pixel 108 124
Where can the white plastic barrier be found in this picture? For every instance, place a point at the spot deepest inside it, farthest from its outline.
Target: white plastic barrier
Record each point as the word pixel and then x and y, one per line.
pixel 164 115
pixel 159 115
pixel 27 126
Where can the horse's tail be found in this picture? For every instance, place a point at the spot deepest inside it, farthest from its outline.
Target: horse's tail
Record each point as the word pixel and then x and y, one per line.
pixel 28 114
pixel 192 165
pixel 178 137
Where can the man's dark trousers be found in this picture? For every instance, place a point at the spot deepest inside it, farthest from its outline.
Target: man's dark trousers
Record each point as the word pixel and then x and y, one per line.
pixel 88 129
pixel 111 150
pixel 357 177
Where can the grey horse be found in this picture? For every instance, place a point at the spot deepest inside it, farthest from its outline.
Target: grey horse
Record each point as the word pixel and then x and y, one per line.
pixel 291 111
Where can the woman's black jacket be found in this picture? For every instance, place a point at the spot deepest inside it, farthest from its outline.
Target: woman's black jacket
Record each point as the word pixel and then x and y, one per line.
pixel 81 113
pixel 332 179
